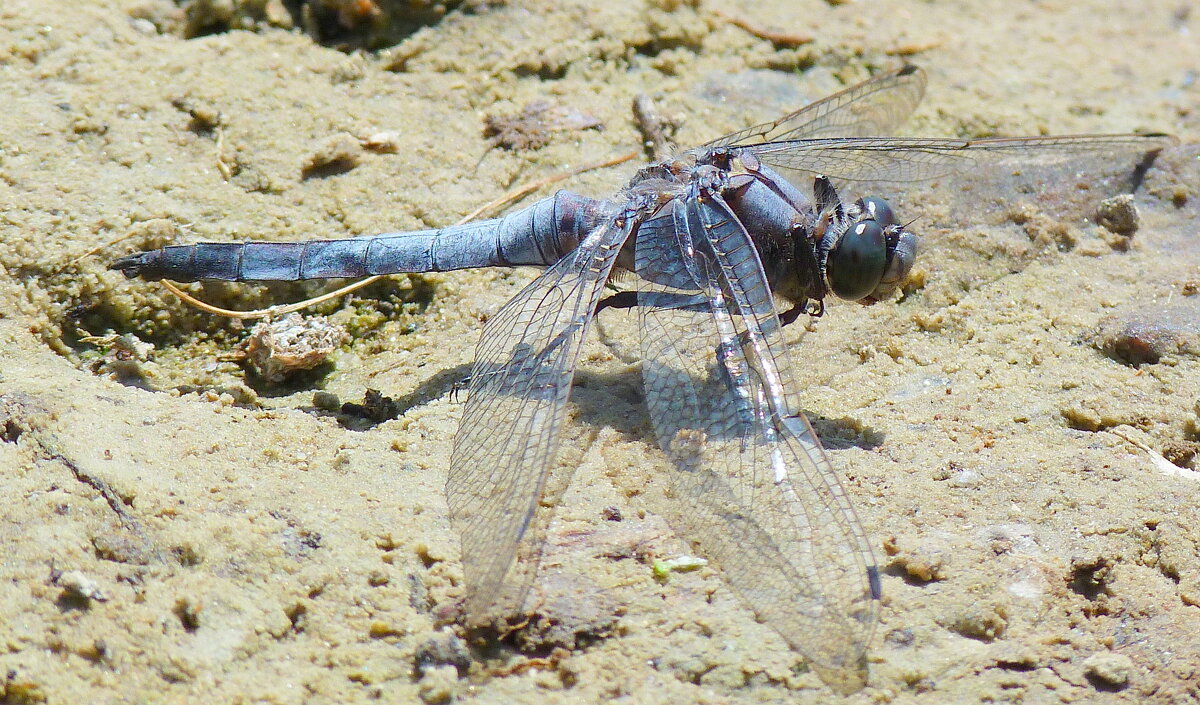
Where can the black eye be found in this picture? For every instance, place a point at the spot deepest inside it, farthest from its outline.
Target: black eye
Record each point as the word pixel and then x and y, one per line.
pixel 856 263
pixel 877 210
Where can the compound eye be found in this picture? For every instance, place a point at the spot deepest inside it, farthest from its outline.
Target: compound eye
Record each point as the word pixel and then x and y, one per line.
pixel 857 262
pixel 878 210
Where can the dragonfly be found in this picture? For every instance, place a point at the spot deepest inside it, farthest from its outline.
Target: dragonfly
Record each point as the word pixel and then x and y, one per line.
pixel 728 244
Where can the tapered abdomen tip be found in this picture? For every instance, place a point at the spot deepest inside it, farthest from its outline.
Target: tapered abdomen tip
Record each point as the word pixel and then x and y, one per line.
pixel 141 265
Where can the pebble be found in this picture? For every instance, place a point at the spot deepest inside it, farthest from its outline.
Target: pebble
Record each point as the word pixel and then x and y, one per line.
pixel 443 649
pixel 1146 333
pixel 81 585
pixel 337 155
pixel 1109 669
pixel 279 348
pixel 1119 215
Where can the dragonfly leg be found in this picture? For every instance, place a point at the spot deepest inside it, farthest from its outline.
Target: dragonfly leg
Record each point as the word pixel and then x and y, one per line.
pixel 814 308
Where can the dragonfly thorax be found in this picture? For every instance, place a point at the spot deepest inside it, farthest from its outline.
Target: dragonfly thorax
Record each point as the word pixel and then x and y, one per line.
pixel 812 247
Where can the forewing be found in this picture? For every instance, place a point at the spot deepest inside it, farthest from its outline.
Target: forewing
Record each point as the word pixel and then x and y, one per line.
pixel 901 160
pixel 750 485
pixel 502 484
pixel 876 106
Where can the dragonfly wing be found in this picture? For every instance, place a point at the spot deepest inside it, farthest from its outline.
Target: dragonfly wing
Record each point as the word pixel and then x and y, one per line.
pixel 751 487
pixel 502 484
pixel 876 106
pixel 903 160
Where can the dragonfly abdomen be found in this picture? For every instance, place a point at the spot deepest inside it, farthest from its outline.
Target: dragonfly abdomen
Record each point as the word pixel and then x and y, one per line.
pixel 539 235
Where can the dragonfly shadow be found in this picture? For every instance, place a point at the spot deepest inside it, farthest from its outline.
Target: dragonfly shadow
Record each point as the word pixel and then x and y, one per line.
pixel 617 400
pixel 845 432
pixel 375 407
pixel 601 399
pixel 612 400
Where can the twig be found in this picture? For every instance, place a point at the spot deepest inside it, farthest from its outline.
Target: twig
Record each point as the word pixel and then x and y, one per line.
pixel 1156 459
pixel 654 127
pixel 779 39
pixel 516 194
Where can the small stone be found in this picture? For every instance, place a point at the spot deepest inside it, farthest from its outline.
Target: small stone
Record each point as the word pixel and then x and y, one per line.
pixel 958 475
pixel 142 26
pixel 120 548
pixel 443 649
pixel 1017 657
pixel 679 564
pixel 965 478
pixel 1189 591
pixel 1145 334
pixel 387 142
pixel 1119 215
pixel 1108 669
pixel 380 629
pixel 899 637
pixel 205 116
pixel 438 685
pixel 533 127
pixel 81 586
pixel 188 610
pixel 924 562
pixel 326 401
pixel 1180 453
pixel 277 623
pixel 611 514
pixel 336 156
pixel 981 621
pixel 386 542
pixel 280 348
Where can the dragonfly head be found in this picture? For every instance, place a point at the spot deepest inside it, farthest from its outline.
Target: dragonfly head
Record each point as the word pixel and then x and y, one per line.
pixel 871 256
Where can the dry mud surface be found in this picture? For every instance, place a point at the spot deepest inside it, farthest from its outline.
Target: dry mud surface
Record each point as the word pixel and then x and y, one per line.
pixel 1018 431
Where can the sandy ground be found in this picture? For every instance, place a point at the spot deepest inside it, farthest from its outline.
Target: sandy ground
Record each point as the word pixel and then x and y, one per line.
pixel 1018 431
